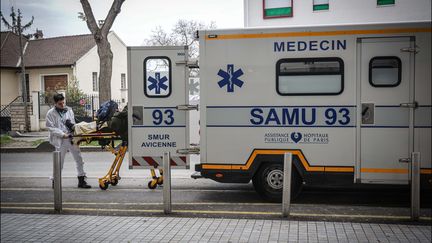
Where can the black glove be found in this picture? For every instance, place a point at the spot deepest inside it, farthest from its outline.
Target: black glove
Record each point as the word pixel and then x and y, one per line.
pixel 69 125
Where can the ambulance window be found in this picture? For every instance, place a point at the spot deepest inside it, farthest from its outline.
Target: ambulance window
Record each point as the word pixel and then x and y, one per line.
pixel 310 76
pixel 385 71
pixel 157 77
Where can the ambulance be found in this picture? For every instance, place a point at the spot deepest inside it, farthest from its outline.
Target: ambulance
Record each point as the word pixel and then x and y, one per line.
pixel 350 102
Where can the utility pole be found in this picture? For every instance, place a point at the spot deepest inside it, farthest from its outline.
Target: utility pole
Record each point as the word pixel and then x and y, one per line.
pixel 16 27
pixel 23 81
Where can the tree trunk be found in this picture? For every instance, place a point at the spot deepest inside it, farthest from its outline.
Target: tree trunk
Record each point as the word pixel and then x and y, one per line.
pixel 23 83
pixel 105 69
pixel 100 35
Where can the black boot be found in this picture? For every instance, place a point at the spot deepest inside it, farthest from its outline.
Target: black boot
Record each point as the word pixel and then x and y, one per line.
pixel 82 183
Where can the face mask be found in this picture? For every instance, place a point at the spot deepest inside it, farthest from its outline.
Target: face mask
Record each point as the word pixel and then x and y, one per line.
pixel 62 111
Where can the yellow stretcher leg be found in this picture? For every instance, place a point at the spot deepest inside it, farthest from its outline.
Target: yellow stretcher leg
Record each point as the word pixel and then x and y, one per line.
pixel 113 175
pixel 156 180
pixel 160 179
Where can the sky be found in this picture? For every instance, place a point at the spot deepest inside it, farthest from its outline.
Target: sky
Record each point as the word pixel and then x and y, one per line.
pixel 134 23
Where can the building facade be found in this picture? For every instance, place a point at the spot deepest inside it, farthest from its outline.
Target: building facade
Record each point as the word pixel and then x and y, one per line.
pixel 52 63
pixel 284 13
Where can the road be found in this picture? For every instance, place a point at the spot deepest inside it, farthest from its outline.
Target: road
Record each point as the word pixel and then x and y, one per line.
pixel 25 187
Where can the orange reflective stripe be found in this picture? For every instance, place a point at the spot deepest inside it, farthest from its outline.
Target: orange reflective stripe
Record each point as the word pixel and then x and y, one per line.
pixel 339 169
pixel 306 165
pixel 425 171
pixel 320 33
pixel 217 167
pixel 381 170
pixel 264 151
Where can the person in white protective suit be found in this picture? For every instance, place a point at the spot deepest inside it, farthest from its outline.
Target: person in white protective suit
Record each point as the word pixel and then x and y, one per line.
pixel 59 121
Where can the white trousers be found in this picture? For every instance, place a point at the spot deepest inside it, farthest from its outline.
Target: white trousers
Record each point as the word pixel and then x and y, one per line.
pixel 76 154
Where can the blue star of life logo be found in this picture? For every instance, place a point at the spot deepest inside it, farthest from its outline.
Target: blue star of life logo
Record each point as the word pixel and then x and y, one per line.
pixel 157 83
pixel 230 78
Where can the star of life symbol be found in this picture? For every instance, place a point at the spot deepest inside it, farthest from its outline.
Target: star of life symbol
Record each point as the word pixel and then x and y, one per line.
pixel 157 83
pixel 230 78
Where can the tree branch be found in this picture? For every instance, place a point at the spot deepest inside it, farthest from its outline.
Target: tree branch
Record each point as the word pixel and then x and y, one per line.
pixel 90 19
pixel 5 22
pixel 28 24
pixel 112 14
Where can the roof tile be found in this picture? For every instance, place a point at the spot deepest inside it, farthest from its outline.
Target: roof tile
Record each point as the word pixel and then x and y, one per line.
pixel 57 51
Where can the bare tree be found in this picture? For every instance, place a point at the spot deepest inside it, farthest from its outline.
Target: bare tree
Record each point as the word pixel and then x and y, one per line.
pixel 161 38
pixel 182 33
pixel 100 34
pixel 17 27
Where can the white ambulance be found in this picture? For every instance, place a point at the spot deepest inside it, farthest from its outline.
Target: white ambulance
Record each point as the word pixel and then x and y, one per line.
pixel 350 102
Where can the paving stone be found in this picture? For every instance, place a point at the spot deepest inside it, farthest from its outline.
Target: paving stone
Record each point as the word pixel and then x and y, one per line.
pixel 81 228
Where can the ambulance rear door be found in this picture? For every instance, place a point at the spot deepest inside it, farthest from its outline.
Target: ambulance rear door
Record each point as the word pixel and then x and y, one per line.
pixel 157 85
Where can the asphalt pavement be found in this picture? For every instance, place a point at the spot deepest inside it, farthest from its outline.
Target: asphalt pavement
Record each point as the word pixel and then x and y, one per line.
pixel 25 188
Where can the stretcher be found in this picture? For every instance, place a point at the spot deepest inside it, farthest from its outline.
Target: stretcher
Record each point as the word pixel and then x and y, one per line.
pixel 113 175
pixel 106 139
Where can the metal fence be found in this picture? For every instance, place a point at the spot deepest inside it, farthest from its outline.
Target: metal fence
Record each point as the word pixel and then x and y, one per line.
pixel 5 115
pixel 84 107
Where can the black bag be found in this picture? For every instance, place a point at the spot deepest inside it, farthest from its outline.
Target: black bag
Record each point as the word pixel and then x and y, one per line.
pixel 106 111
pixel 119 123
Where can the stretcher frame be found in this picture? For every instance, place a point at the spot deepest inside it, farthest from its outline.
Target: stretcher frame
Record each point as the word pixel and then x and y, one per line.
pixel 113 175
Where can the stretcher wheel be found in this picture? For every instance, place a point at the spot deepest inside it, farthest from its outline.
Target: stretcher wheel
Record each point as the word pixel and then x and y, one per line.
pixel 160 180
pixel 114 181
pixel 152 184
pixel 103 185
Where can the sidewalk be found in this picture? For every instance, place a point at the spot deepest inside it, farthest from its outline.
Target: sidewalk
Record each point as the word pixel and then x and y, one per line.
pixel 35 142
pixel 77 228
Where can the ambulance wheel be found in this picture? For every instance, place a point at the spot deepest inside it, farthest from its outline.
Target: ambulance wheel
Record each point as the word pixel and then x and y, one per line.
pixel 268 182
pixel 104 185
pixel 152 184
pixel 114 181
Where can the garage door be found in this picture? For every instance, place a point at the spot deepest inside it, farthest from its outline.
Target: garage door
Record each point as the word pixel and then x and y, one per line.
pixel 55 82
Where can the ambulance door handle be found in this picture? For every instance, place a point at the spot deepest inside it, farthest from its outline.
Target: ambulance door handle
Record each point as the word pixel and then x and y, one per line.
pixel 195 150
pixel 409 105
pixel 190 64
pixel 404 160
pixel 187 107
pixel 414 50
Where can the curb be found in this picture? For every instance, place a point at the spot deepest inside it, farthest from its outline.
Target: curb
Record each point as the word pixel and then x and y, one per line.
pixel 45 147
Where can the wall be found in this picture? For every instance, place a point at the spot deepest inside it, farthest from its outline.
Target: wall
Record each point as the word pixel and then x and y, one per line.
pixel 119 66
pixel 9 85
pixel 83 70
pixel 17 116
pixel 340 12
pixel 36 75
pixel 89 63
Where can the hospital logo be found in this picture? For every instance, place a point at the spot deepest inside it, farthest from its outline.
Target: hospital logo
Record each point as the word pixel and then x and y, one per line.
pixel 230 78
pixel 296 137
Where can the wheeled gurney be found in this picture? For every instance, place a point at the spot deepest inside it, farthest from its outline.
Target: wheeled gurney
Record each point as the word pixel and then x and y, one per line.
pixel 106 140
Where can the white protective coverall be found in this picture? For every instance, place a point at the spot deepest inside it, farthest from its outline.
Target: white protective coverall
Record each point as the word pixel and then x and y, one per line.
pixel 55 122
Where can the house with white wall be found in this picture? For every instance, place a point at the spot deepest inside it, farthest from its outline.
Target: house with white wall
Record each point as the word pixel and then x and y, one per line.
pixel 51 63
pixel 285 13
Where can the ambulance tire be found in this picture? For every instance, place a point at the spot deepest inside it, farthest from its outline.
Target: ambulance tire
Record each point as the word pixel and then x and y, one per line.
pixel 267 182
